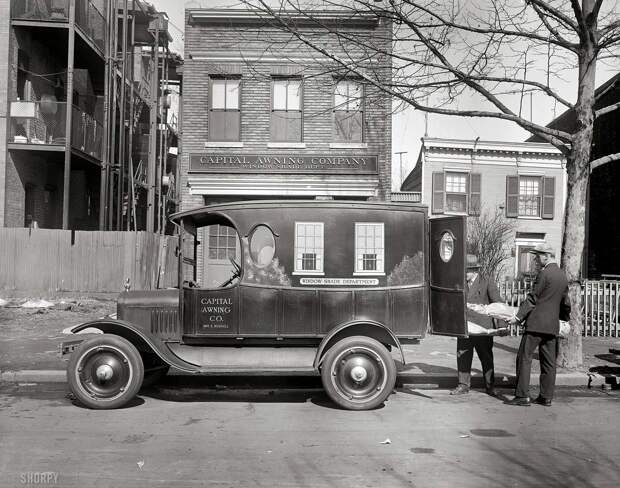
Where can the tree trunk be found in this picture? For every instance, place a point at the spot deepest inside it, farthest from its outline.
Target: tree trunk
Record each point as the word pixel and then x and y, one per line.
pixel 570 349
pixel 578 172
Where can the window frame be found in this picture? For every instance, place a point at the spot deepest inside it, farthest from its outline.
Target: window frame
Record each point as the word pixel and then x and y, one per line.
pixel 540 180
pixel 360 110
pixel 465 175
pixel 217 246
pixel 273 110
pixel 319 252
pixel 211 110
pixel 380 270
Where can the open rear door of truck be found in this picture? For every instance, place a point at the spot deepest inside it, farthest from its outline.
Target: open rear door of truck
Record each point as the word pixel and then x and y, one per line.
pixel 447 275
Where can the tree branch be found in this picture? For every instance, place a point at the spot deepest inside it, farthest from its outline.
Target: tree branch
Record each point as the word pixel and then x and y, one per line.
pixel 606 110
pixel 556 14
pixel 549 27
pixel 604 160
pixel 478 30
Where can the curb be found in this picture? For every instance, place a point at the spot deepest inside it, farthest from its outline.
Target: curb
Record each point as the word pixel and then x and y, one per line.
pixel 433 380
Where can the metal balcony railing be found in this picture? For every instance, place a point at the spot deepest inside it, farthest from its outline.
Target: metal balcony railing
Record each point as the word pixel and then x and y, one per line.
pixel 91 21
pixel 47 10
pixel 41 122
pixel 44 122
pixel 86 133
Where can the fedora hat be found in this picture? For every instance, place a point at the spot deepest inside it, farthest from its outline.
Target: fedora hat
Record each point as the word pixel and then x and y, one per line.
pixel 472 262
pixel 542 248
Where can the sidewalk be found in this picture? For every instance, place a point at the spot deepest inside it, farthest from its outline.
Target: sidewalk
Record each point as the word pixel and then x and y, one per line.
pixel 30 338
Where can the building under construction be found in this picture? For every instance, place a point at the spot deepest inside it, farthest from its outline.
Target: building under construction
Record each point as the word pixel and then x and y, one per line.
pixel 87 137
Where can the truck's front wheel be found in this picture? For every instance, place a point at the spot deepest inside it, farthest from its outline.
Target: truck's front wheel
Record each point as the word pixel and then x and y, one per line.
pixel 358 373
pixel 105 372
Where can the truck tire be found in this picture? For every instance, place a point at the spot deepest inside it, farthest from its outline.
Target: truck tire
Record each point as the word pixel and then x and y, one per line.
pixel 105 372
pixel 358 373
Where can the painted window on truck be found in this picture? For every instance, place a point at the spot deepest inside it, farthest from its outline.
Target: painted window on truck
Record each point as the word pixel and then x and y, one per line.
pixel 309 249
pixel 369 248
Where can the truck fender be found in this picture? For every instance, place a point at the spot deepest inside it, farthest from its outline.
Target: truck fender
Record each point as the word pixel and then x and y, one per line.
pixel 128 331
pixel 367 328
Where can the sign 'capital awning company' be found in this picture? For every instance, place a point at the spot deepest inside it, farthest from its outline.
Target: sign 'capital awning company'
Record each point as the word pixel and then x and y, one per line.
pixel 266 163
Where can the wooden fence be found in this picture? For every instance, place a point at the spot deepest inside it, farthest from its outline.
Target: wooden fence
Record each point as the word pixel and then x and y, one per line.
pixel 600 300
pixel 51 260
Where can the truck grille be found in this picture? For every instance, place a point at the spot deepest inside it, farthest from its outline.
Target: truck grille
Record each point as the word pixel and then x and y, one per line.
pixel 164 321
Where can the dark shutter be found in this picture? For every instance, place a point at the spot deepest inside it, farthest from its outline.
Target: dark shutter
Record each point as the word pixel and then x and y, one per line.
pixel 474 194
pixel 512 196
pixel 548 197
pixel 438 192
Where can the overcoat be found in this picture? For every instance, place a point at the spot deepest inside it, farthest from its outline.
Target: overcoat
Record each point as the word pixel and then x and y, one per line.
pixel 547 303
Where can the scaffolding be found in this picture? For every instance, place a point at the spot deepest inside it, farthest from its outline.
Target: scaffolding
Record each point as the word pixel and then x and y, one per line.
pixel 138 62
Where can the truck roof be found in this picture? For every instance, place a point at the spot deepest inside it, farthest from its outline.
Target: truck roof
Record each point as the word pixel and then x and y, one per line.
pixel 199 215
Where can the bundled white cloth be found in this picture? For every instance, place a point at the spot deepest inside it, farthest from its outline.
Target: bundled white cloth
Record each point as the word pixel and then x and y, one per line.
pixel 501 311
pixel 476 330
pixel 496 310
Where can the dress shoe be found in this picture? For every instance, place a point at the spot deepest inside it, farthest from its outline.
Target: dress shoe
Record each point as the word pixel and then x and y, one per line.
pixel 519 401
pixel 491 392
pixel 543 401
pixel 460 390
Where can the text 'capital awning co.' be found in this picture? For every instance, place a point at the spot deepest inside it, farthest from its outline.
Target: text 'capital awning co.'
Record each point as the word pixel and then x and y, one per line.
pixel 306 164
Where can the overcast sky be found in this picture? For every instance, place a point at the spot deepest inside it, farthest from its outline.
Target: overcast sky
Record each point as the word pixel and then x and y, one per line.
pixel 408 126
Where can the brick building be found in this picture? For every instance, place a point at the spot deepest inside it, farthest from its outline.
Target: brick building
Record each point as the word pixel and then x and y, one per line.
pixel 267 117
pixel 67 156
pixel 524 181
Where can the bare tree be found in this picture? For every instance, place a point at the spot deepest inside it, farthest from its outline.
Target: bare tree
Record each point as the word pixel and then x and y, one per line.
pixel 450 55
pixel 487 237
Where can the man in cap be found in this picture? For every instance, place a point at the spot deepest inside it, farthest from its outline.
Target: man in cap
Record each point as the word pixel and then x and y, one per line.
pixel 540 313
pixel 480 290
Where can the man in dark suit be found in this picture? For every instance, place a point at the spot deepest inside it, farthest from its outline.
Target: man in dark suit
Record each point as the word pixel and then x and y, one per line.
pixel 541 312
pixel 480 290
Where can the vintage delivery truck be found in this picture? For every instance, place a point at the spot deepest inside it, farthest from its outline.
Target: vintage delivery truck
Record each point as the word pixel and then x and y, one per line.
pixel 323 287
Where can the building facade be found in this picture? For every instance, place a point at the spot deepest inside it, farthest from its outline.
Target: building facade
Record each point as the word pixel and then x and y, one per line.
pixel 525 183
pixel 267 117
pixel 77 81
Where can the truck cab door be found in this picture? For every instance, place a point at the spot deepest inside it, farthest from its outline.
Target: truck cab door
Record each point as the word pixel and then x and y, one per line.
pixel 447 275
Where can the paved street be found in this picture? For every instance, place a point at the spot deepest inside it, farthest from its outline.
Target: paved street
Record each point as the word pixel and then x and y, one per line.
pixel 226 435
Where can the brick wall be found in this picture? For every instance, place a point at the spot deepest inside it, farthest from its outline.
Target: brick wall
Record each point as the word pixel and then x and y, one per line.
pixel 208 40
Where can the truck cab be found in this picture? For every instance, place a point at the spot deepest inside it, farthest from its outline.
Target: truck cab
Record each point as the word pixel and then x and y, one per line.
pixel 320 287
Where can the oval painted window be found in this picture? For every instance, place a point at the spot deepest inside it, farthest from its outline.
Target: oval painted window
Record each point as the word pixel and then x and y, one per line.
pixel 446 247
pixel 262 246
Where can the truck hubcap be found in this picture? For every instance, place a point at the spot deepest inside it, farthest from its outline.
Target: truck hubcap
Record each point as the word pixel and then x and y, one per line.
pixel 359 374
pixel 104 372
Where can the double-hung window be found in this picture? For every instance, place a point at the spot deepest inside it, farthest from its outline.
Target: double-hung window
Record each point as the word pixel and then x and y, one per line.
pixel 456 192
pixel 222 242
pixel 286 110
pixel 224 112
pixel 309 247
pixel 369 248
pixel 348 112
pixel 530 196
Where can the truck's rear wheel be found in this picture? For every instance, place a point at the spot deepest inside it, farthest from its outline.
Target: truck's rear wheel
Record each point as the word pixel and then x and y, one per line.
pixel 105 372
pixel 358 373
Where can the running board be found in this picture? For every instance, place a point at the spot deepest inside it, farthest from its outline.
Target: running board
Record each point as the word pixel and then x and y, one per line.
pixel 246 360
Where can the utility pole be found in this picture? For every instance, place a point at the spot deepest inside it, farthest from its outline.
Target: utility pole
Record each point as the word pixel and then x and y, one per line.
pixel 400 155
